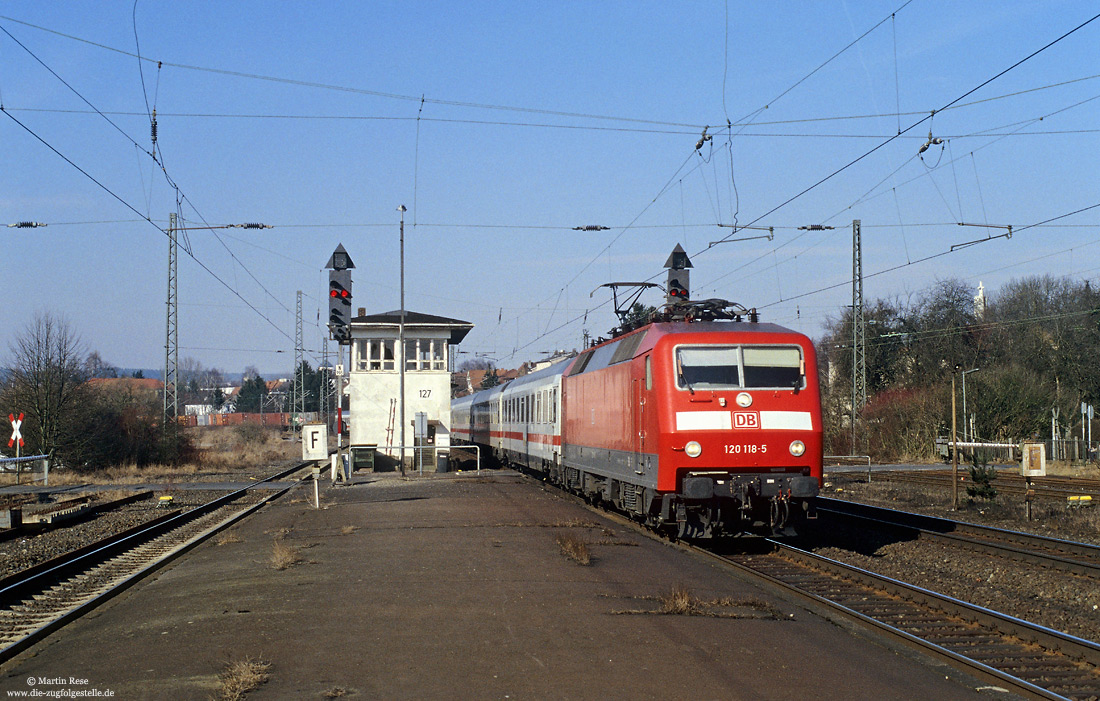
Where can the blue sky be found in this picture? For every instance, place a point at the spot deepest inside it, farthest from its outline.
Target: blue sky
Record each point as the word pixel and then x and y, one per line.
pixel 534 120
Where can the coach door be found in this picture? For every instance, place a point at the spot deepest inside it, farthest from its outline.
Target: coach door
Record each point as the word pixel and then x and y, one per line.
pixel 528 411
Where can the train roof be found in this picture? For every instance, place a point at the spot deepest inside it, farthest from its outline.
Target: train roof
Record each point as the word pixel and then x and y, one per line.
pixel 632 344
pixel 667 327
pixel 484 395
pixel 557 368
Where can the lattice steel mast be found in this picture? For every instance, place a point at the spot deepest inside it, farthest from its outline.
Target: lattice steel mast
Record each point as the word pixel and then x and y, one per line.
pixel 299 399
pixel 171 344
pixel 859 340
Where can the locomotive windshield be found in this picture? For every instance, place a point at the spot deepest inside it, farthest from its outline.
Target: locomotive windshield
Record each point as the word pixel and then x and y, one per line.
pixel 735 367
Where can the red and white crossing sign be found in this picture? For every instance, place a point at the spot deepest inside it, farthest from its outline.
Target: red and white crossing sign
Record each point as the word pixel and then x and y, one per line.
pixel 15 434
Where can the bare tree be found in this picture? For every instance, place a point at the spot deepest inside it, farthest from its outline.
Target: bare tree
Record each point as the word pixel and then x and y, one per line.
pixel 96 366
pixel 47 374
pixel 475 364
pixel 211 383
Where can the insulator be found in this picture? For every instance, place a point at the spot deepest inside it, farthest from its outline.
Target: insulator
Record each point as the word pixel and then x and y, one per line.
pixel 253 225
pixel 153 127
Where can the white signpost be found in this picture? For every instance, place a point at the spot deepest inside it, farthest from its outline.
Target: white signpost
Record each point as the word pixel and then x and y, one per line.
pixel 315 442
pixel 1034 465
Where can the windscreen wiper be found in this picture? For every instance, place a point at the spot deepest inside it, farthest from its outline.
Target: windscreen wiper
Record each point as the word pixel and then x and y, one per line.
pixel 680 374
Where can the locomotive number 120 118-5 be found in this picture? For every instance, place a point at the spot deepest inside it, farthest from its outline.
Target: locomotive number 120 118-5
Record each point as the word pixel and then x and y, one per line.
pixel 745 448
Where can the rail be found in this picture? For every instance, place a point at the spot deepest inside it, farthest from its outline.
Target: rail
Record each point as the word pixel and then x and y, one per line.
pixel 40 584
pixel 1029 659
pixel 1054 553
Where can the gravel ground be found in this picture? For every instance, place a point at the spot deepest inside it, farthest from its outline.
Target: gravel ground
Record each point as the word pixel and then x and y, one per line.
pixel 24 551
pixel 1065 602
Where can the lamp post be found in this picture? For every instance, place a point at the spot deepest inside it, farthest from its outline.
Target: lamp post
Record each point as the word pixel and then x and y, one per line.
pixel 401 339
pixel 954 447
pixel 966 416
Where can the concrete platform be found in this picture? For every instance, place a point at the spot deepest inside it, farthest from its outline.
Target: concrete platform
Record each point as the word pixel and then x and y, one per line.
pixel 453 587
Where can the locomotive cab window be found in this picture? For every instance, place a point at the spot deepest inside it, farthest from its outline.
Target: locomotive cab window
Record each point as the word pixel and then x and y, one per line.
pixel 735 367
pixel 773 367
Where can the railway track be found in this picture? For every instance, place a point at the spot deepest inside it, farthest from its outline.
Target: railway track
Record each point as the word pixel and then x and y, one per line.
pixel 1055 488
pixel 35 602
pixel 1053 553
pixel 1031 660
pixel 1025 658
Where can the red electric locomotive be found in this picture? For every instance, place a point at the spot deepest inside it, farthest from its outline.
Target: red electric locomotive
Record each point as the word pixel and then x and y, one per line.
pixel 702 422
pixel 703 428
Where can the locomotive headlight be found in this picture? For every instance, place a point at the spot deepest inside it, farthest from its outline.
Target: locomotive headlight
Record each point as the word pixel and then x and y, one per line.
pixel 693 449
pixel 798 448
pixel 744 400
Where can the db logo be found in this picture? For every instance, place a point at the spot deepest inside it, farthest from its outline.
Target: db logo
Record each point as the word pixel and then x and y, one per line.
pixel 746 419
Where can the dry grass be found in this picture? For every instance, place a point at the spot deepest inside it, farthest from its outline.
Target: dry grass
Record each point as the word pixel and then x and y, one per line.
pixel 335 692
pixel 571 523
pixel 680 601
pixel 227 538
pixel 574 548
pixel 241 677
pixel 222 449
pixel 348 530
pixel 283 555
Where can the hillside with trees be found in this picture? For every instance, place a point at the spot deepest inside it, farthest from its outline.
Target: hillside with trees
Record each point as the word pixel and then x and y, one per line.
pixel 1032 346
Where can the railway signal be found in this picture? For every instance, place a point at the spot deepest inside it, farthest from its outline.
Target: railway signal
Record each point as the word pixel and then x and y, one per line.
pixel 339 294
pixel 339 303
pixel 678 288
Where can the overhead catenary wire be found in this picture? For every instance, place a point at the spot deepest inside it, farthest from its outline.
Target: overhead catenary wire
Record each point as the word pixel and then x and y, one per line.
pixel 868 196
pixel 928 257
pixel 126 204
pixel 927 118
pixel 151 153
pixel 688 127
pixel 638 227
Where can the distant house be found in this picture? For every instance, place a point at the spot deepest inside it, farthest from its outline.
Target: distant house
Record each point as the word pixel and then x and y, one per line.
pixel 469 381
